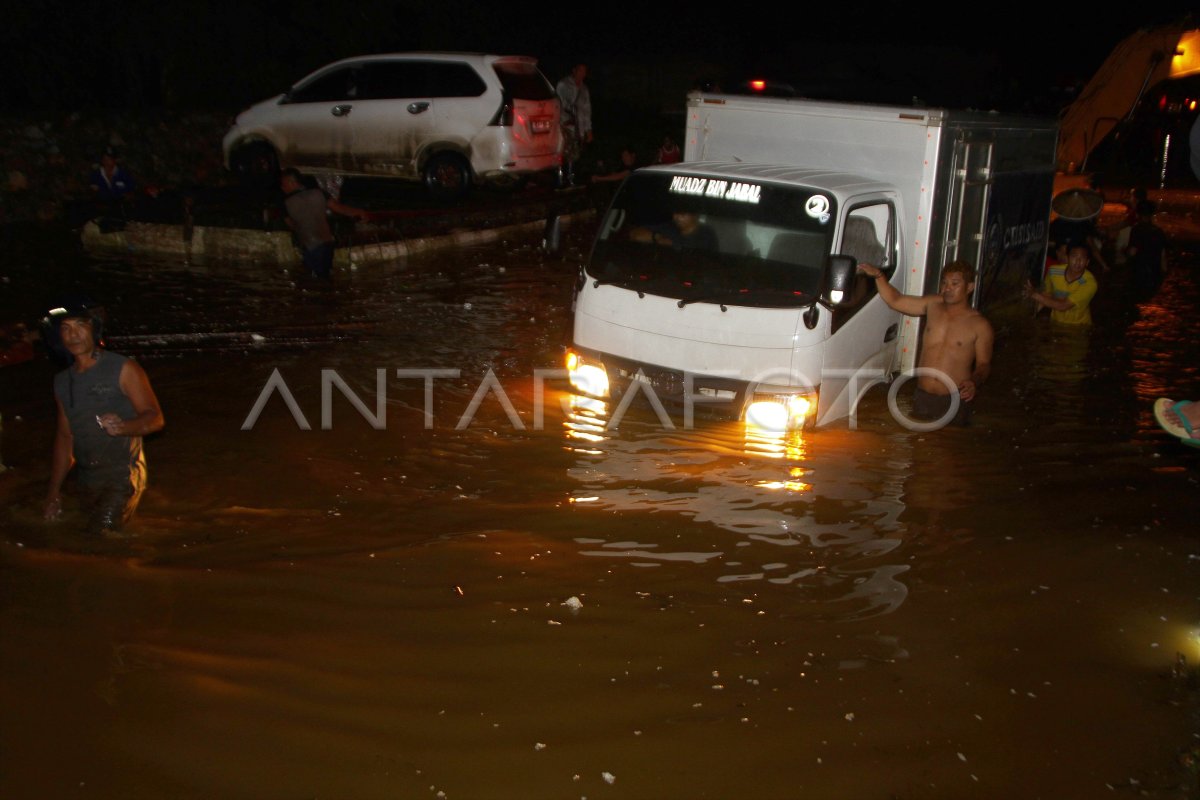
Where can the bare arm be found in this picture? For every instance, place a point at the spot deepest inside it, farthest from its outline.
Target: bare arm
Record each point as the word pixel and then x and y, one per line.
pixel 908 304
pixel 650 236
pixel 983 361
pixel 1046 301
pixel 61 462
pixel 347 211
pixel 148 416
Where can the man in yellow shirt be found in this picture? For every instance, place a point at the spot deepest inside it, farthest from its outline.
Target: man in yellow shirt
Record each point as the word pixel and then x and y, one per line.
pixel 1068 289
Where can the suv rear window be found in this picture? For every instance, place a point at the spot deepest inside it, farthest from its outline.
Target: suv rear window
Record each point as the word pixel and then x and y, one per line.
pixel 454 80
pixel 523 81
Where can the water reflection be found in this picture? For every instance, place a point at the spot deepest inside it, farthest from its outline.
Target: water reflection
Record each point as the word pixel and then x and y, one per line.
pixel 1163 349
pixel 585 423
pixel 775 492
pixel 775 444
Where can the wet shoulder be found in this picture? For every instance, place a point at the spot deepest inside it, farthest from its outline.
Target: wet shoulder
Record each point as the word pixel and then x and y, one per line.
pixel 979 321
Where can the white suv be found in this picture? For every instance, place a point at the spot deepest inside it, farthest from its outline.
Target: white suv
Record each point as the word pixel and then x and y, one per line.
pixel 443 118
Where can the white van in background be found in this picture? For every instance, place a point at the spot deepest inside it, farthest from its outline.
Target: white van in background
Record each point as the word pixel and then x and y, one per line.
pixel 446 119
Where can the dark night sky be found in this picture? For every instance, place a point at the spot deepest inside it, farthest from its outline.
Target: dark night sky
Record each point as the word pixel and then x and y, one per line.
pixel 227 53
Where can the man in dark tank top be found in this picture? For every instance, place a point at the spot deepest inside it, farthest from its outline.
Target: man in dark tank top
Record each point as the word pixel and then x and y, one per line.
pixel 105 406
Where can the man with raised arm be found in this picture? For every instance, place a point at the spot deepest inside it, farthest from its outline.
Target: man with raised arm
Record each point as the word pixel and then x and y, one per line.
pixel 956 344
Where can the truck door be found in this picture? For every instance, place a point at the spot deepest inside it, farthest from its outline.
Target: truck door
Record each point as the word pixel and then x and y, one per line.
pixel 864 334
pixel 967 206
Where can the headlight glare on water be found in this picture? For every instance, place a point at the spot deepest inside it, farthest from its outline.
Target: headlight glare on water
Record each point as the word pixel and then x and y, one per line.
pixel 588 379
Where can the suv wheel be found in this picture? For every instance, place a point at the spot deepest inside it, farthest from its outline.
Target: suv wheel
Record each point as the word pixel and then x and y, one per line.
pixel 256 165
pixel 447 175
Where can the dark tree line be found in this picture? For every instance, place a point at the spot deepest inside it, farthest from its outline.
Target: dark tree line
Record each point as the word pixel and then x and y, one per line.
pixel 205 53
pixel 224 54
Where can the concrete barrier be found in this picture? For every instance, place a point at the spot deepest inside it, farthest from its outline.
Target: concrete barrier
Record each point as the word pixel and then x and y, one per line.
pixel 159 241
pixel 155 240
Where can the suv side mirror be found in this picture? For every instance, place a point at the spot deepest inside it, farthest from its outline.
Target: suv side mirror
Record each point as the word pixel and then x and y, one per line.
pixel 840 272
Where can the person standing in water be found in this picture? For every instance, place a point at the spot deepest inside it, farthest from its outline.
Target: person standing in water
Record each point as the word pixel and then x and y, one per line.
pixel 105 406
pixel 1069 288
pixel 957 341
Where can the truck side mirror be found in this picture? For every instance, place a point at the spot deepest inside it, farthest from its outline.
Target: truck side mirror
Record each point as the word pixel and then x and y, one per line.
pixel 840 273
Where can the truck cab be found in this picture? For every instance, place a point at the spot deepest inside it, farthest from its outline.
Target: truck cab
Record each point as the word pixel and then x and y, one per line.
pixel 728 283
pixel 733 288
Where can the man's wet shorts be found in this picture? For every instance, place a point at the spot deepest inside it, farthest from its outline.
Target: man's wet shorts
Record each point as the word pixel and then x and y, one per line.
pixel 927 406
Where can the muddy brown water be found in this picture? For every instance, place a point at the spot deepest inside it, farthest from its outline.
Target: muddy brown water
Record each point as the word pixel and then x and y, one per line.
pixel 389 611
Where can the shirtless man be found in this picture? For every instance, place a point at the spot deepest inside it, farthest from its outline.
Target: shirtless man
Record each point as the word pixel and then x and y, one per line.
pixel 957 339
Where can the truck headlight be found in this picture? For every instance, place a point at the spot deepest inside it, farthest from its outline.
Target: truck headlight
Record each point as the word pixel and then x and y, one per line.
pixel 589 379
pixel 780 412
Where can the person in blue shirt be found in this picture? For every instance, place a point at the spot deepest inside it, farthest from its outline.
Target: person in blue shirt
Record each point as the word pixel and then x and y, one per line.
pixel 111 183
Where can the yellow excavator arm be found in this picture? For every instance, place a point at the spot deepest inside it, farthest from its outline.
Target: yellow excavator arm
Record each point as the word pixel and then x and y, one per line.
pixel 1137 63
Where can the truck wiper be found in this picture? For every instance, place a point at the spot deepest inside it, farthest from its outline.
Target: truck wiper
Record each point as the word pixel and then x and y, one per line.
pixel 717 297
pixel 736 294
pixel 624 283
pixel 627 282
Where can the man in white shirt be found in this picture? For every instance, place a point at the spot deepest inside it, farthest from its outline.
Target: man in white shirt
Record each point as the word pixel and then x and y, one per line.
pixel 576 104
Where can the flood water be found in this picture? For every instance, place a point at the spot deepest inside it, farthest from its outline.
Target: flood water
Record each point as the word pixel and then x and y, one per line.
pixel 374 608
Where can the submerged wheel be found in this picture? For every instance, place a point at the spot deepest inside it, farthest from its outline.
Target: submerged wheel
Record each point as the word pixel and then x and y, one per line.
pixel 256 165
pixel 447 175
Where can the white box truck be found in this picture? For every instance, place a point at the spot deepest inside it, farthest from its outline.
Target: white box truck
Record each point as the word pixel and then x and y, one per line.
pixel 728 283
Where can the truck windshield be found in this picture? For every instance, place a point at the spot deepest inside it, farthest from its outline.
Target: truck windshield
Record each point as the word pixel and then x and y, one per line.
pixel 712 239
